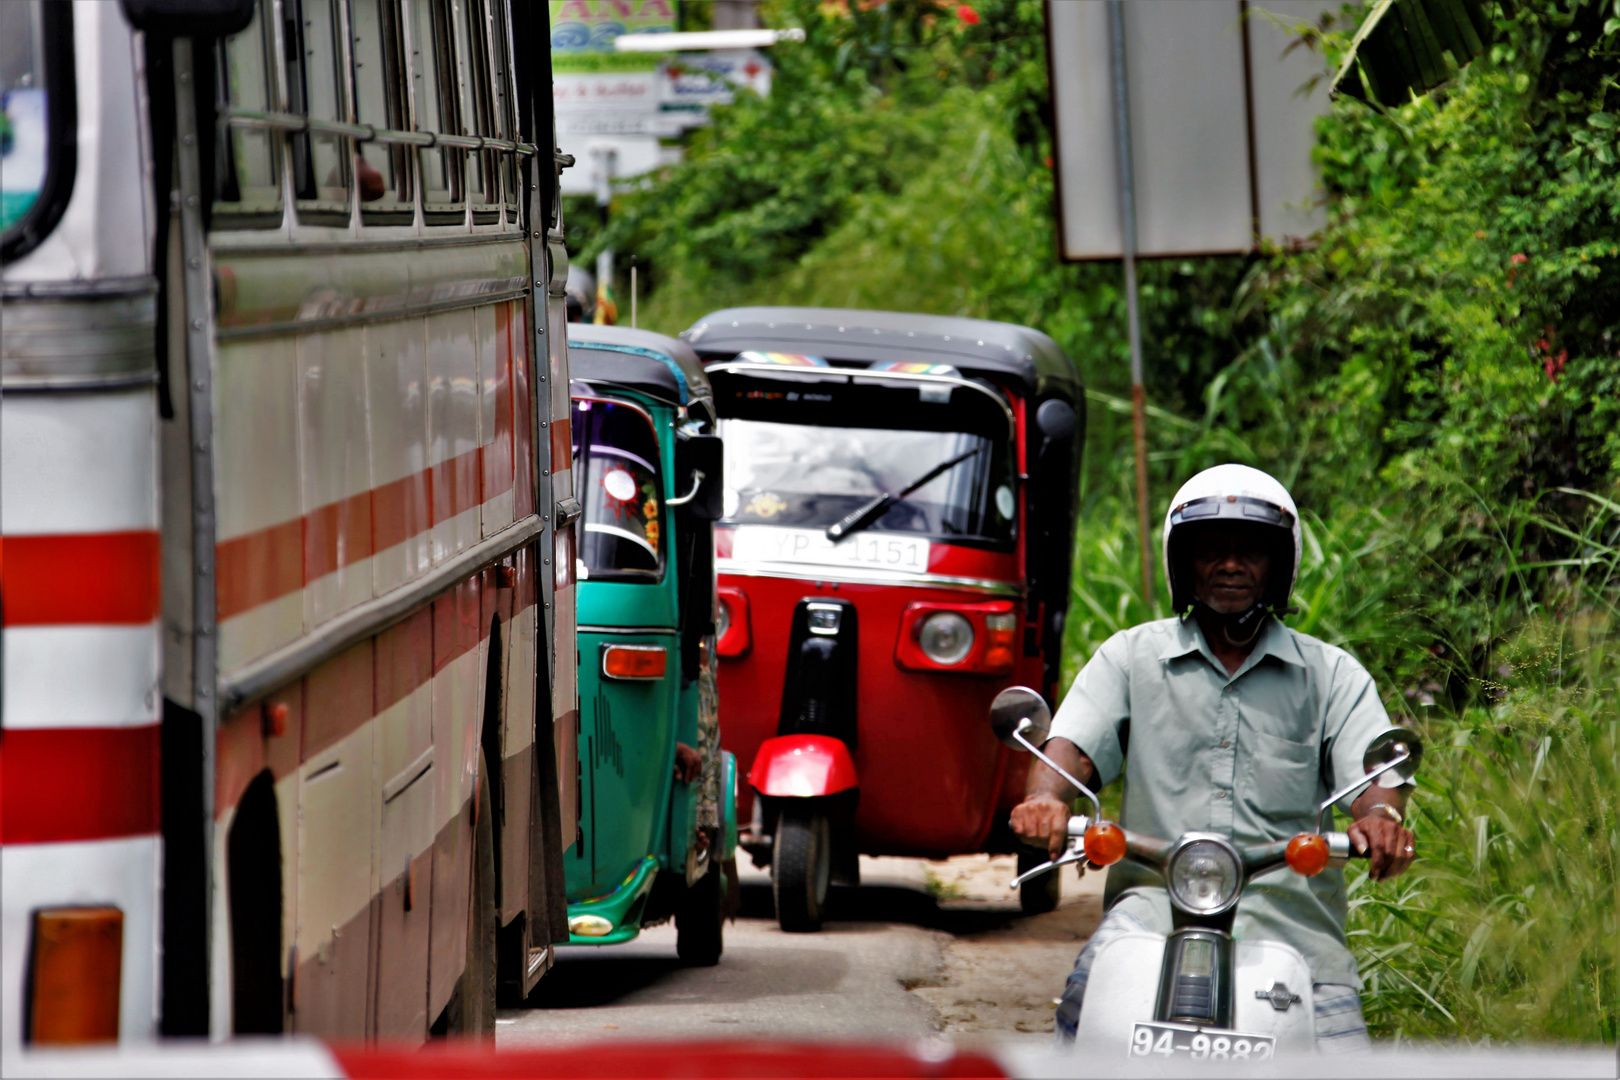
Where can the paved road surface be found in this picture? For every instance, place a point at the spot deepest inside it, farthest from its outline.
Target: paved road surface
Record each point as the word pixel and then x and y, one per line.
pixel 892 961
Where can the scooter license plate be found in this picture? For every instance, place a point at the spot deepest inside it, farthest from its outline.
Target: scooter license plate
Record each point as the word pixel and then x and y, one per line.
pixel 1186 1041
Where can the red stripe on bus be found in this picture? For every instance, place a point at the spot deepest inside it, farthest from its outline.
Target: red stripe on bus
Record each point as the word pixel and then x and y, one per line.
pixel 81 578
pixel 61 784
pixel 262 566
pixel 259 567
pixel 336 535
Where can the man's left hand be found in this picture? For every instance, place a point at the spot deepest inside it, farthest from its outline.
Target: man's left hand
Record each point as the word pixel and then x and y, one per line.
pixel 1389 847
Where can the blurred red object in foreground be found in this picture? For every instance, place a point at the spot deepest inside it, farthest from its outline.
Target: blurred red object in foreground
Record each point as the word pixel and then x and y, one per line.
pixel 720 1059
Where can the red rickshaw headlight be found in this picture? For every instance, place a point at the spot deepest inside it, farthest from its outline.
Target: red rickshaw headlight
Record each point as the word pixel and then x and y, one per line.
pixel 945 637
pixel 732 635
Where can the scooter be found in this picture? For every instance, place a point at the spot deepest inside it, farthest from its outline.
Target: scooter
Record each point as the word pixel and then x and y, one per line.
pixel 1197 993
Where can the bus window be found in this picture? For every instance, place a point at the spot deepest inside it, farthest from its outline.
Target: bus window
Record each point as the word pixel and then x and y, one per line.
pixel 379 66
pixel 433 74
pixel 505 104
pixel 249 179
pixel 481 110
pixel 32 137
pixel 320 162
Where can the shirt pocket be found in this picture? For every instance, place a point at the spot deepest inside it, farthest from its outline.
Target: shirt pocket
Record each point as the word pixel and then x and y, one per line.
pixel 1284 774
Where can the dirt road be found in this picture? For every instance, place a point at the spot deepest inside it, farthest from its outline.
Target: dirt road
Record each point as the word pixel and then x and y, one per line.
pixel 919 947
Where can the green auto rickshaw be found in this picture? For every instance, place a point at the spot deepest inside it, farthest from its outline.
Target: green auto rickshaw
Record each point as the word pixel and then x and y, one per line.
pixel 657 806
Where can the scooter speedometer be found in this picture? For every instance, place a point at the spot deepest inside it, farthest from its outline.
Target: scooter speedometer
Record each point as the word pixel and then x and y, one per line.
pixel 1205 875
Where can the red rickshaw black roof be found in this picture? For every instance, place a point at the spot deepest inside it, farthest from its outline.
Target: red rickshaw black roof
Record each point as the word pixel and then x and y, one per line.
pixel 662 367
pixel 1016 354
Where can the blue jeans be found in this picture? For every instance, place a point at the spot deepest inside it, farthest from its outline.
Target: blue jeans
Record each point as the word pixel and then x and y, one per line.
pixel 1340 1028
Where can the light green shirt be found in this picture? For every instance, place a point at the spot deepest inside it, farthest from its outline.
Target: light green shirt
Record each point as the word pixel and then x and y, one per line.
pixel 1250 756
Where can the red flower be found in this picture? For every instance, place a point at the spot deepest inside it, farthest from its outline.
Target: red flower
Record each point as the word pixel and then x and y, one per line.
pixel 968 15
pixel 1518 258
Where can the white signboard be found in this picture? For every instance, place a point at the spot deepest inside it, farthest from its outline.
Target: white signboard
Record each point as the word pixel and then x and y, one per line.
pixel 698 80
pixel 1221 125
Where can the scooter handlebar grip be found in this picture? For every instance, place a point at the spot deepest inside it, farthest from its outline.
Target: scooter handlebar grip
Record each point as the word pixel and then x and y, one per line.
pixel 1340 847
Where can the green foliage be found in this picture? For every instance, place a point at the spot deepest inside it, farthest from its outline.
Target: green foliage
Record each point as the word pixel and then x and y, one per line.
pixel 1437 378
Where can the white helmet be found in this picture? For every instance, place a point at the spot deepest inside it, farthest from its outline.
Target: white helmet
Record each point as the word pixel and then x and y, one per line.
pixel 1232 493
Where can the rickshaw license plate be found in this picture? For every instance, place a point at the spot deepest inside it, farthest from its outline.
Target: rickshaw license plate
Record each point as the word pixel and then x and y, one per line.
pixel 1184 1041
pixel 885 551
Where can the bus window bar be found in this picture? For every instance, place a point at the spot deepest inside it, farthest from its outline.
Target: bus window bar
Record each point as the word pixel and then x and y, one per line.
pixel 292 122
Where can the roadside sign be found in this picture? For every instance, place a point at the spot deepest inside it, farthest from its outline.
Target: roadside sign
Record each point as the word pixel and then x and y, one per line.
pixel 1221 116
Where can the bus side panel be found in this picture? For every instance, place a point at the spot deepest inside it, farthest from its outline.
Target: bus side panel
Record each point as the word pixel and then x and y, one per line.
pixel 405 755
pixel 565 670
pixel 457 710
pixel 336 862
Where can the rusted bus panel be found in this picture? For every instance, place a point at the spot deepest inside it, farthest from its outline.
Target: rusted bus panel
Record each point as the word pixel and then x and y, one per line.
pixel 409 702
pixel 517 327
pixel 264 291
pixel 495 419
pixel 334 472
pixel 453 437
pixel 396 363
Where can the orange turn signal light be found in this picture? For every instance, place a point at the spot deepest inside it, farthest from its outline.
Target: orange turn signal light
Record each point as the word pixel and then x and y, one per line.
pixel 1105 843
pixel 77 971
pixel 634 661
pixel 1308 854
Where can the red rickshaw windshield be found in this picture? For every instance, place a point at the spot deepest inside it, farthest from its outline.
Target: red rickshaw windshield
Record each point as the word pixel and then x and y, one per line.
pixel 810 476
pixel 616 467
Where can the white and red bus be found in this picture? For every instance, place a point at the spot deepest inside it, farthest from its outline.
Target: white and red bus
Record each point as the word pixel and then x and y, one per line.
pixel 285 518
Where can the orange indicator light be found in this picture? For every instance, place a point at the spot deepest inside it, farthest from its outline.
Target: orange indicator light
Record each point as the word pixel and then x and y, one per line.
pixel 1105 843
pixel 1308 854
pixel 634 661
pixel 77 969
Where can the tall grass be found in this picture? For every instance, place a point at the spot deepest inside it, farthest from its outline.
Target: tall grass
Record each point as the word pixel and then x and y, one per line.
pixel 1508 925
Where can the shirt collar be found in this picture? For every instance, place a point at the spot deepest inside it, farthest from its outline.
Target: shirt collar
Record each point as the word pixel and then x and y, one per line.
pixel 1276 640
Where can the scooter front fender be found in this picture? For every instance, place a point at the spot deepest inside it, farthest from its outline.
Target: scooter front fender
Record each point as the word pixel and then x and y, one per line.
pixel 1123 990
pixel 802 767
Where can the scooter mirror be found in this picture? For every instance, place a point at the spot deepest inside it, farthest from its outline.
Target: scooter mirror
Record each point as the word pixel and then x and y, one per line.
pixel 1389 746
pixel 1018 709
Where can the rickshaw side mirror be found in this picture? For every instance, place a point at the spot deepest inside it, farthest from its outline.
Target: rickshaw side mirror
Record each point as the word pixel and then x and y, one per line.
pixel 702 454
pixel 1056 419
pixel 1018 710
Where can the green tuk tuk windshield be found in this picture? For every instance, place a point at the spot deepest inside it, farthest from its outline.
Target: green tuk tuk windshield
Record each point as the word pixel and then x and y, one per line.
pixel 807 456
pixel 616 468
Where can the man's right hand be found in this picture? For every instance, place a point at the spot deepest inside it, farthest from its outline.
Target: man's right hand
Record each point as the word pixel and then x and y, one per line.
pixel 1042 820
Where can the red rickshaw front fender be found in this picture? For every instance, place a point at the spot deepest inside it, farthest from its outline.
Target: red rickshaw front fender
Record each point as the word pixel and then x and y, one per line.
pixel 802 767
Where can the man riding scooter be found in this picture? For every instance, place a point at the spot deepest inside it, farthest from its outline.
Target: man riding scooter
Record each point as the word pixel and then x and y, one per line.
pixel 1240 725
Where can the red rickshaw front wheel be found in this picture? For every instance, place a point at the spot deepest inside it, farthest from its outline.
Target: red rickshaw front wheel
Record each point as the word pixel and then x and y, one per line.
pixel 801 867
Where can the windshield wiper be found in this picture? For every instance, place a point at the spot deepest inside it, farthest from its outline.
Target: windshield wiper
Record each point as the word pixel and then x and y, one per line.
pixel 868 514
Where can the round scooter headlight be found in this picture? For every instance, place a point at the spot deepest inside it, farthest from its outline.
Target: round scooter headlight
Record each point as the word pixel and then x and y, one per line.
pixel 945 637
pixel 1204 877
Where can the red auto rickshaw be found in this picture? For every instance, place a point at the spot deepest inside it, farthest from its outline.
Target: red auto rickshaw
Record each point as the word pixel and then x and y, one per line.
pixel 895 550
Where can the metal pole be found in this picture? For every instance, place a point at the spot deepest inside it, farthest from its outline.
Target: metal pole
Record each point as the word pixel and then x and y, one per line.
pixel 1127 213
pixel 632 293
pixel 606 164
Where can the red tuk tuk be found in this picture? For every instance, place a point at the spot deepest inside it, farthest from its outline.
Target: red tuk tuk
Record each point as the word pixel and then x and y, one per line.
pixel 895 550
